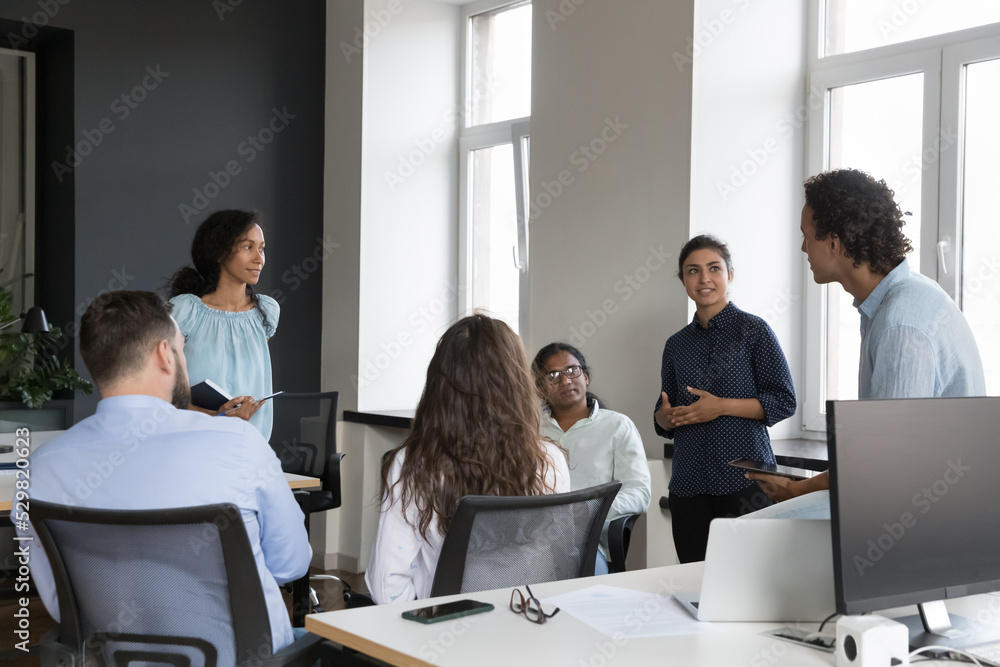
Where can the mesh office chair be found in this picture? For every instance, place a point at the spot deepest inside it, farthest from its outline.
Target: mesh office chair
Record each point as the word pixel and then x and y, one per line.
pixel 498 542
pixel 171 586
pixel 304 437
pixel 505 541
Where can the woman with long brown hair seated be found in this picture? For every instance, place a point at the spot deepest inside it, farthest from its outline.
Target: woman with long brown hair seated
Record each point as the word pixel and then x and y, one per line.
pixel 475 433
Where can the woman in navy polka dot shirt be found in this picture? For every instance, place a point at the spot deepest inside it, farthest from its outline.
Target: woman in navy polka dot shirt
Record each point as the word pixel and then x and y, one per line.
pixel 724 381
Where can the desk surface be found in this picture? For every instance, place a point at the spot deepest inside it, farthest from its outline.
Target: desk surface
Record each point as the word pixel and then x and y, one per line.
pixel 504 638
pixel 7 488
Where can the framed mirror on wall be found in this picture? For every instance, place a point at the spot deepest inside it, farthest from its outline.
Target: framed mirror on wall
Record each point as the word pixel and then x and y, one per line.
pixel 17 177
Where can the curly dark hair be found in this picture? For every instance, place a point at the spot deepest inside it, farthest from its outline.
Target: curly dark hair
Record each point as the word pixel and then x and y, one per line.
pixel 863 214
pixel 214 242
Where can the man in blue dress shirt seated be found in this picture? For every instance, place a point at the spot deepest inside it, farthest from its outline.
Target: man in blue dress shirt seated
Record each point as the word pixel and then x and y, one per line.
pixel 915 342
pixel 144 450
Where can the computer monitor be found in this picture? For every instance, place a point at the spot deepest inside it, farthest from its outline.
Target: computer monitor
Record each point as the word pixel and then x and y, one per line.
pixel 915 508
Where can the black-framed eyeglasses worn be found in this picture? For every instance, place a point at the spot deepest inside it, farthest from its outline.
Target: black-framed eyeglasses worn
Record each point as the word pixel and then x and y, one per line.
pixel 529 606
pixel 570 372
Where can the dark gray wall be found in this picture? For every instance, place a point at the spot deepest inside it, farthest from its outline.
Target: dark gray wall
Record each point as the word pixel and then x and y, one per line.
pixel 219 80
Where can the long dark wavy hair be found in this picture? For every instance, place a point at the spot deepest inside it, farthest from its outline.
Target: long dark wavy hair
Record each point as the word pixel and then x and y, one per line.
pixel 864 215
pixel 538 370
pixel 214 242
pixel 476 427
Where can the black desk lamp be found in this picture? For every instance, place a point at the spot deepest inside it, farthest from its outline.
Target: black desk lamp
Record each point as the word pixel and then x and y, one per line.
pixel 34 321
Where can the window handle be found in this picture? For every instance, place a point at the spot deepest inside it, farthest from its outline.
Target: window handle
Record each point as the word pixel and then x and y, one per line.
pixel 942 247
pixel 517 260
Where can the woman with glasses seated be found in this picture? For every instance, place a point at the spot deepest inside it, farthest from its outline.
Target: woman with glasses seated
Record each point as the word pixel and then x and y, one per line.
pixel 724 381
pixel 603 445
pixel 475 433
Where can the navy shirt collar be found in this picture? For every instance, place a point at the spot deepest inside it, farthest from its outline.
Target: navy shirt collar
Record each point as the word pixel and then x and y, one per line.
pixel 721 319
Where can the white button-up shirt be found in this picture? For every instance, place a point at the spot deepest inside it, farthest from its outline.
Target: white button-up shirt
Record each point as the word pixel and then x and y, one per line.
pixel 603 447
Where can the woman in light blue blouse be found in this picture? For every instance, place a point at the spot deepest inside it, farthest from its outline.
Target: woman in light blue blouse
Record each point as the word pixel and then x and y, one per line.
pixel 226 325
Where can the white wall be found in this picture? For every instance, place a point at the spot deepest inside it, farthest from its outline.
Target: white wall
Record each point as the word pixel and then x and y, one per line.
pixel 409 227
pixel 342 201
pixel 747 158
pixel 603 71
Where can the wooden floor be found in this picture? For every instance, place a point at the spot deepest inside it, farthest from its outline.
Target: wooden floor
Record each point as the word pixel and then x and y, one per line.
pixel 329 593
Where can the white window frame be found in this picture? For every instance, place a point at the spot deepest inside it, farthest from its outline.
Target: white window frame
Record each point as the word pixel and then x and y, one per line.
pixel 487 136
pixel 941 58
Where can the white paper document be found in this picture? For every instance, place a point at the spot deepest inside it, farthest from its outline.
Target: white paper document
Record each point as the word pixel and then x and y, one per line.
pixel 627 613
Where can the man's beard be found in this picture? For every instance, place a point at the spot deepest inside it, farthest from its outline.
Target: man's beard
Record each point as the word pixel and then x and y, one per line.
pixel 181 396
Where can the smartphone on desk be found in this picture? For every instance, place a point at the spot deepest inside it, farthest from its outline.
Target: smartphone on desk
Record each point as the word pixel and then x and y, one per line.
pixel 773 469
pixel 447 611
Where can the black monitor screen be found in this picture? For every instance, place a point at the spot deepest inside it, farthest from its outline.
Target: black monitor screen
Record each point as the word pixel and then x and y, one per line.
pixel 914 500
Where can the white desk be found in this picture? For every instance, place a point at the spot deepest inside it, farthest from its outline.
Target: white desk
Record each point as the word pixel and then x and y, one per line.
pixel 503 638
pixel 7 487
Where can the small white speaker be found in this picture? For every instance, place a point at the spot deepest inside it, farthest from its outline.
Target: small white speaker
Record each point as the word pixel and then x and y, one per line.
pixel 871 641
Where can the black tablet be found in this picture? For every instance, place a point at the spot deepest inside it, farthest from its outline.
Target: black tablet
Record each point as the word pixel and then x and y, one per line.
pixel 773 469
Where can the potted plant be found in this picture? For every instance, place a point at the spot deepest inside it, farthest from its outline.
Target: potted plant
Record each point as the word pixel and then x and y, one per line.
pixel 30 369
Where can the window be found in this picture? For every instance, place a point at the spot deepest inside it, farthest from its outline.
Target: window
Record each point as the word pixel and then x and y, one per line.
pixel 493 146
pixel 904 99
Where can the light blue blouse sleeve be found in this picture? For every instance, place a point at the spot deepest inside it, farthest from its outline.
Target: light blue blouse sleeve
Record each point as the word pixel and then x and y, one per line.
pixel 273 312
pixel 184 312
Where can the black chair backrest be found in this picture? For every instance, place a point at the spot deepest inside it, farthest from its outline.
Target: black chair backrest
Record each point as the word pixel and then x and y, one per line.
pixel 177 586
pixel 500 541
pixel 304 434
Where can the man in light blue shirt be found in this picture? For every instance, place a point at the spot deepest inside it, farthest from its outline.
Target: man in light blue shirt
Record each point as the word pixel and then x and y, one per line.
pixel 139 451
pixel 915 342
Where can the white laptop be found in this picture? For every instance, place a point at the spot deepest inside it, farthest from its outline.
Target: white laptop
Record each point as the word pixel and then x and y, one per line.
pixel 765 570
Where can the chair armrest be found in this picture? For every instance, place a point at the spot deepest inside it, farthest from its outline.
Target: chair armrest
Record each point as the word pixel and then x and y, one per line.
pixel 619 536
pixel 354 599
pixel 303 652
pixel 332 481
pixel 53 653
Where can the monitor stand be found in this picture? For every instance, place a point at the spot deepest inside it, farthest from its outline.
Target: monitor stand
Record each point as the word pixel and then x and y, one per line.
pixel 936 627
